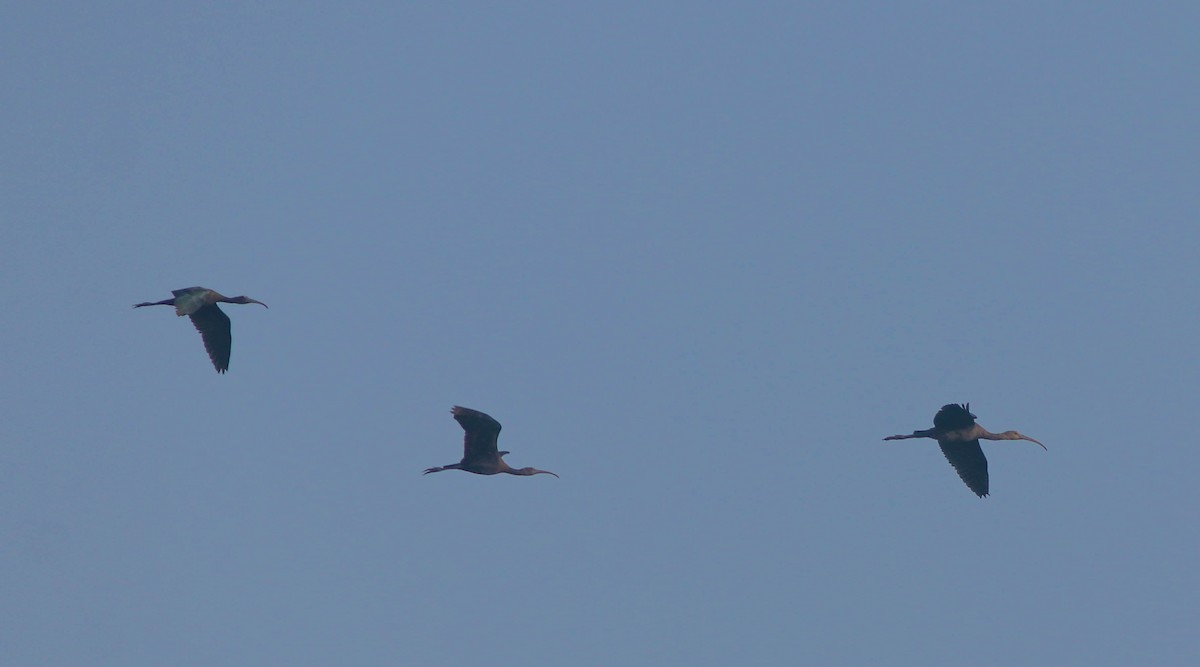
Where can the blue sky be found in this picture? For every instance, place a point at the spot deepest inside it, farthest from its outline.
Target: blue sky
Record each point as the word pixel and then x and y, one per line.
pixel 698 258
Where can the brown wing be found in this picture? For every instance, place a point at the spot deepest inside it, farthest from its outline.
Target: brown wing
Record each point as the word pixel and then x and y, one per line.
pixel 213 326
pixel 954 417
pixel 482 431
pixel 968 460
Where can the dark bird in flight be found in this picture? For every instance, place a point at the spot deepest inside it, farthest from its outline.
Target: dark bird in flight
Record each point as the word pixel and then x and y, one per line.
pixel 480 455
pixel 958 435
pixel 200 304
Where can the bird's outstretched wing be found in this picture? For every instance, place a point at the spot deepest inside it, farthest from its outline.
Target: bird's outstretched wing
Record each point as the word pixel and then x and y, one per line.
pixel 968 460
pixel 213 326
pixel 954 417
pixel 481 433
pixel 190 291
pixel 190 299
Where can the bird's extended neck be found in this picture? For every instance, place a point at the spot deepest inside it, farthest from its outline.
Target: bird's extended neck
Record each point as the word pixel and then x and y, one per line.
pixel 527 472
pixel 985 434
pixel 240 299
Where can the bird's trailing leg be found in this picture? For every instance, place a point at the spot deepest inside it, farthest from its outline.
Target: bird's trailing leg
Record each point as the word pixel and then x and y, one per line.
pixel 167 302
pixel 452 466
pixel 915 434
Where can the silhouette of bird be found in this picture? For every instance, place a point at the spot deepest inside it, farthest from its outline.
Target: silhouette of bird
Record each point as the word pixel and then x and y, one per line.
pixel 958 435
pixel 200 304
pixel 480 455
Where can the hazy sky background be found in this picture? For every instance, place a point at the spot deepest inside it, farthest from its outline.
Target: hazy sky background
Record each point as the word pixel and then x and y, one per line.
pixel 698 259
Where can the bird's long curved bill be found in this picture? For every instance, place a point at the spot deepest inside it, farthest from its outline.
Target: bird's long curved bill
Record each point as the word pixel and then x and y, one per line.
pixel 259 303
pixel 1025 437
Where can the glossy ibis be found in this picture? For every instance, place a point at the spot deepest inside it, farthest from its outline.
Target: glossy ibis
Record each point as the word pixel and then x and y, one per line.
pixel 480 455
pixel 958 435
pixel 200 304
